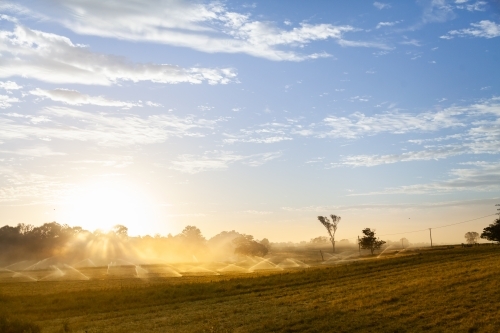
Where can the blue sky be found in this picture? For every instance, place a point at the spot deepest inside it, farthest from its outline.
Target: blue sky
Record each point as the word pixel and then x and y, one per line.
pixel 252 116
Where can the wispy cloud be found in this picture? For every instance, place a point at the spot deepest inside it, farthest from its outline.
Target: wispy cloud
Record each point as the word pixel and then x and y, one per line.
pixel 208 27
pixel 480 177
pixel 36 151
pixel 264 133
pixel 386 24
pixel 103 129
pixel 74 97
pixel 413 42
pixel 18 186
pixel 373 160
pixel 391 206
pixel 350 43
pixel 54 58
pixel 219 160
pixel 437 11
pixel 481 135
pixel 358 124
pixel 381 5
pixel 477 6
pixel 483 29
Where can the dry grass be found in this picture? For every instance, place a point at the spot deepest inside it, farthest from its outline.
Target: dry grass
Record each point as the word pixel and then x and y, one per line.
pixel 452 290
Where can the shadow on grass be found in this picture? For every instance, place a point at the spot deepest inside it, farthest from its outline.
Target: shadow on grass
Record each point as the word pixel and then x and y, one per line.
pixel 8 325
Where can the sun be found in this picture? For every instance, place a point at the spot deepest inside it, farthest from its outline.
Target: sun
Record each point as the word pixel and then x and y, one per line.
pixel 103 205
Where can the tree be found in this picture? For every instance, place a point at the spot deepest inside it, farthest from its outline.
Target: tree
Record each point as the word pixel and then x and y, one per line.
pixel 246 245
pixel 120 230
pixel 266 243
pixel 319 240
pixel 492 232
pixel 369 241
pixel 471 237
pixel 192 235
pixel 404 242
pixel 331 227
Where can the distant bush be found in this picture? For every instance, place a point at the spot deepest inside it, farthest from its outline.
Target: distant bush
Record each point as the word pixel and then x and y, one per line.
pixel 8 325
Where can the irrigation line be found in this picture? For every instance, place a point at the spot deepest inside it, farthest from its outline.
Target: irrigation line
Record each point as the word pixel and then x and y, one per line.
pixel 443 226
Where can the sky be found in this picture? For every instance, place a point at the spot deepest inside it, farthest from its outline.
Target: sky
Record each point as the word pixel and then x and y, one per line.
pixel 251 116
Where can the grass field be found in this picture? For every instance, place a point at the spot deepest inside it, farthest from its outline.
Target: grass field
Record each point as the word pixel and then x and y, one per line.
pixel 441 290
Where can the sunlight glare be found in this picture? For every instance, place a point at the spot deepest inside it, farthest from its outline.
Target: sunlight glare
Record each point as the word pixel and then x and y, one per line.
pixel 104 205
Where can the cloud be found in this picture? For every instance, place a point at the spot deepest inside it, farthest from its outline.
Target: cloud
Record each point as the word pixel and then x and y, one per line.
pixel 358 124
pixel 373 160
pixel 264 133
pixel 218 160
pixel 6 101
pixel 413 42
pixel 391 206
pixel 53 58
pixel 74 97
pixel 207 27
pixel 64 123
pixel 482 177
pixel 350 43
pixel 257 212
pixel 31 188
pixel 386 24
pixel 483 29
pixel 437 11
pixel 9 85
pixel 381 5
pixel 477 6
pixel 37 151
pixel 481 135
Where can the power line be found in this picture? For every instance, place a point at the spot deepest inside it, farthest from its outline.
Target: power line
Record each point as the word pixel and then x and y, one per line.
pixel 443 226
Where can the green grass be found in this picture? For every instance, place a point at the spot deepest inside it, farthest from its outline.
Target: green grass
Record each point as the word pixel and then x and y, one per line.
pixel 452 290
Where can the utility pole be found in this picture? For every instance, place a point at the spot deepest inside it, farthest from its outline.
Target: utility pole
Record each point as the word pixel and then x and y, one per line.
pixel 430 234
pixel 321 252
pixel 402 245
pixel 359 246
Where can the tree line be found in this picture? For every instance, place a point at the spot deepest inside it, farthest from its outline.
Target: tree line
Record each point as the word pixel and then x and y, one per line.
pixel 27 242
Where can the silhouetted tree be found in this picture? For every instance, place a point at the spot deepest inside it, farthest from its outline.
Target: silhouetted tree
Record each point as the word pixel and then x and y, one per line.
pixel 266 243
pixel 29 242
pixel 246 245
pixel 492 232
pixel 471 237
pixel 193 235
pixel 120 230
pixel 319 240
pixel 331 227
pixel 369 241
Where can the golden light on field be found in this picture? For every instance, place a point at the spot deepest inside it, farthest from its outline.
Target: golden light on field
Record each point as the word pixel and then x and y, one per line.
pixel 103 205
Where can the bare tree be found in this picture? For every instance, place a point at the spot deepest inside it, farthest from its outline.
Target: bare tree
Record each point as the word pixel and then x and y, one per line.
pixel 331 227
pixel 471 237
